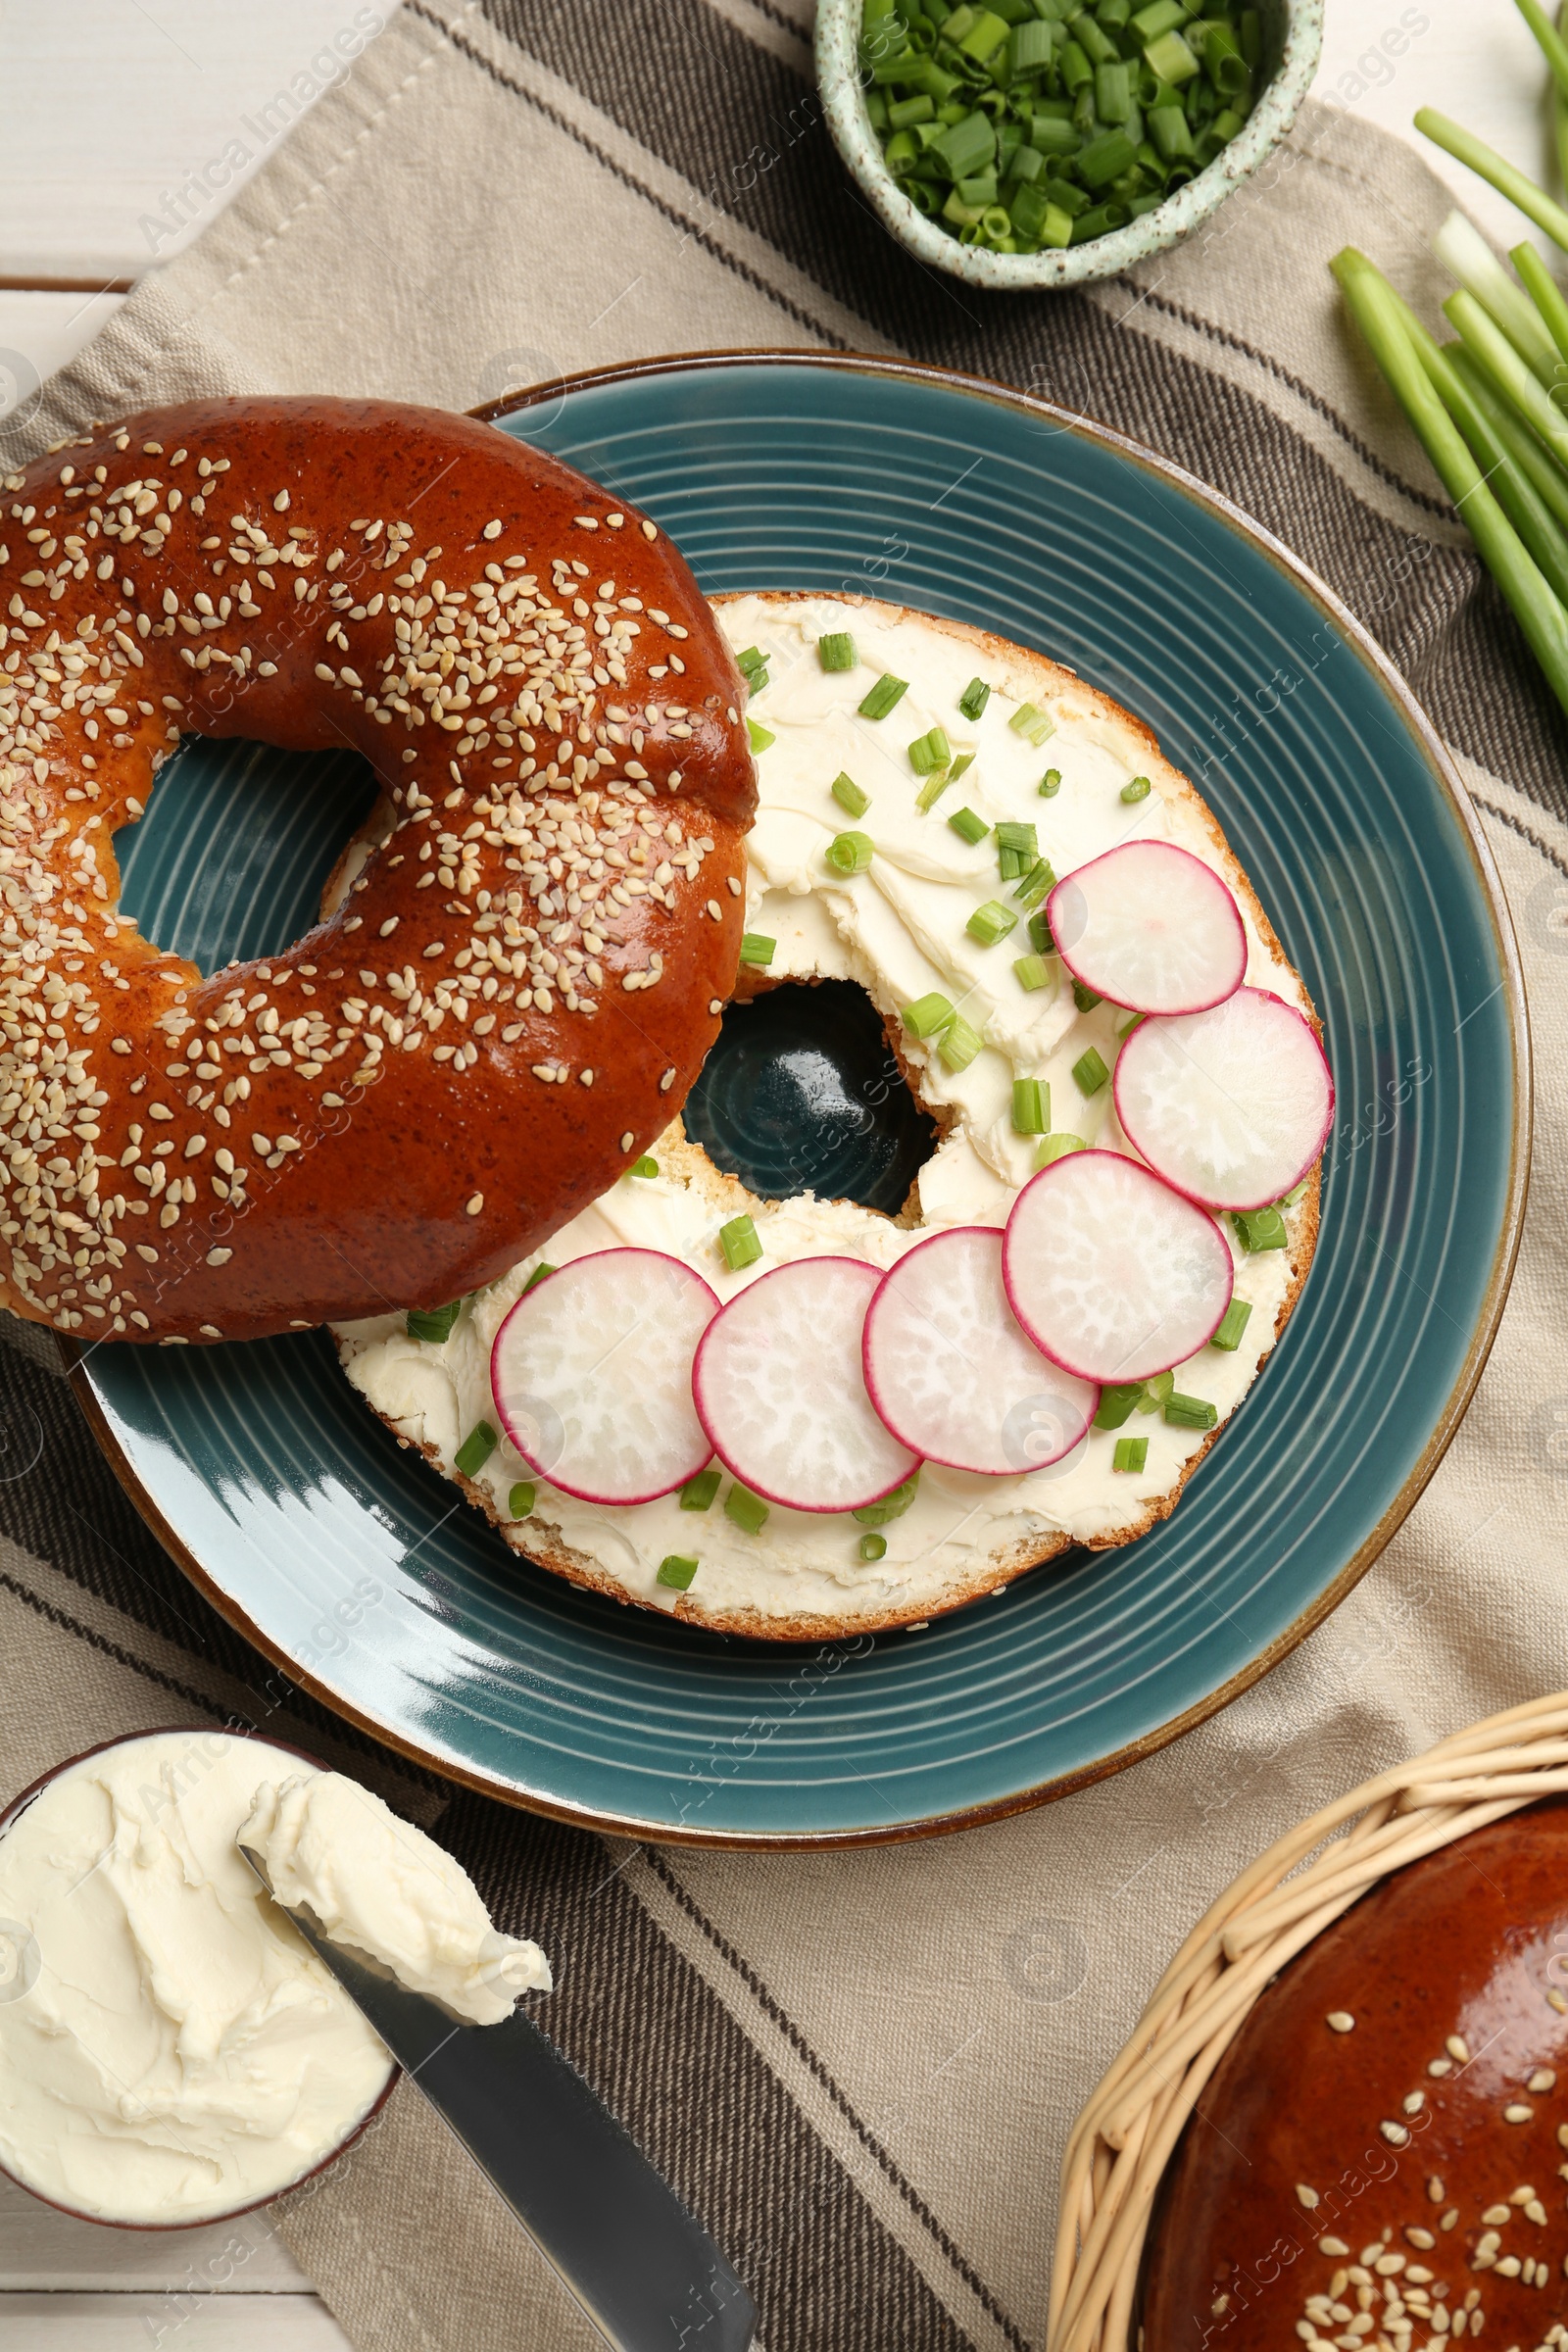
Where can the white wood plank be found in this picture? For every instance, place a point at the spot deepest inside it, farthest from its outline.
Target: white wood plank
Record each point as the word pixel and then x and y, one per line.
pixel 41 332
pixel 107 108
pixel 1473 59
pixel 139 2324
pixel 40 2248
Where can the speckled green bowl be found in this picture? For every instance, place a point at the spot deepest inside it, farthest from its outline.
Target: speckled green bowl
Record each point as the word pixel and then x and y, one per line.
pixel 1293 31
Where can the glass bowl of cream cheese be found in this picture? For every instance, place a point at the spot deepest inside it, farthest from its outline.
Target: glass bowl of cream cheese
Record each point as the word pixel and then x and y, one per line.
pixel 171 2052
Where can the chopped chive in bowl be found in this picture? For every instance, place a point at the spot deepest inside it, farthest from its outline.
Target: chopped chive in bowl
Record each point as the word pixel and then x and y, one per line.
pixel 1021 128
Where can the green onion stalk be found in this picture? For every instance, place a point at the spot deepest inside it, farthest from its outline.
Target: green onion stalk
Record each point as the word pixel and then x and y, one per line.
pixel 1547 478
pixel 1465 252
pixel 1555 49
pixel 1383 317
pixel 1516 493
pixel 1532 491
pixel 1501 363
pixel 1506 177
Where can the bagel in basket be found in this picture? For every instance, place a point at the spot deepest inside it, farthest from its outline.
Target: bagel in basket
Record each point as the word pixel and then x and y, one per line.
pixel 917 778
pixel 1338 2117
pixel 1379 2158
pixel 523 963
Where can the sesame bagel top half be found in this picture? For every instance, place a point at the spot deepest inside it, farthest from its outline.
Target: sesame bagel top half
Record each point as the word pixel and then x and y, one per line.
pixel 522 962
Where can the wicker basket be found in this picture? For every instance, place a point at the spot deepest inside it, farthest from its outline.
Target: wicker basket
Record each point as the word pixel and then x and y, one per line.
pixel 1126 2135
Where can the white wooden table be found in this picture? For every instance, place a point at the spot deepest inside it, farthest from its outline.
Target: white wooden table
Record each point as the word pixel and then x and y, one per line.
pixel 69 2286
pixel 105 108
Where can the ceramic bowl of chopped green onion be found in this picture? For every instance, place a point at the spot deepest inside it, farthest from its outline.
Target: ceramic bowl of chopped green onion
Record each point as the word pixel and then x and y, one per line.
pixel 1029 143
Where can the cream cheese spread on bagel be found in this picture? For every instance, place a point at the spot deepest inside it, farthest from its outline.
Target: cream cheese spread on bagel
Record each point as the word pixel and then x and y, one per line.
pixel 900 928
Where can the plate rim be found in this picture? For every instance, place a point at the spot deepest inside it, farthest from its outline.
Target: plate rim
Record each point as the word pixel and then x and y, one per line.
pixel 1482 1336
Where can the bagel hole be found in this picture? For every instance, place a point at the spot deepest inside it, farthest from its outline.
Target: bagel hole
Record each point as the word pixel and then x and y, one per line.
pixel 237 844
pixel 803 1093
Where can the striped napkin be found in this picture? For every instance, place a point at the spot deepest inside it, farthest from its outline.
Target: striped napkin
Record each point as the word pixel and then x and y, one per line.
pixel 858 2068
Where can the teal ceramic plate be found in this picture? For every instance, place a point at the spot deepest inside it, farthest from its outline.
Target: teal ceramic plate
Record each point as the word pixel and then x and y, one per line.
pixel 353 1565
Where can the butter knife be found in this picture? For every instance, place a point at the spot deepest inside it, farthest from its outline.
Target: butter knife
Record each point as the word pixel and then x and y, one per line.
pixel 649 2278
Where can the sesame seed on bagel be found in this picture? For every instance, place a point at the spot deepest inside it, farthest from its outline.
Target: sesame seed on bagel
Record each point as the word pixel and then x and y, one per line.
pixel 521 957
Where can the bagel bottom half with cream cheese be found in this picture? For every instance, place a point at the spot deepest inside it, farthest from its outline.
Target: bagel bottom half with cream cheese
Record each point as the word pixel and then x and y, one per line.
pixel 949 821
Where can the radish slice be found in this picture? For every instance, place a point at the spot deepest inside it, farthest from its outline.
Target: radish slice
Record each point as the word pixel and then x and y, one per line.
pixel 1231 1106
pixel 1111 1271
pixel 1150 927
pixel 591 1373
pixel 781 1391
pixel 952 1374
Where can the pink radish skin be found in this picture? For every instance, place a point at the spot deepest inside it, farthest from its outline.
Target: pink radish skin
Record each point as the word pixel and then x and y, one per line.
pixel 1113 1273
pixel 1232 1106
pixel 780 1393
pixel 1152 927
pixel 952 1374
pixel 591 1375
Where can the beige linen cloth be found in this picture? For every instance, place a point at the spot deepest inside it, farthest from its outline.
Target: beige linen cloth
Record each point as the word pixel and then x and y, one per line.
pixel 858 2067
